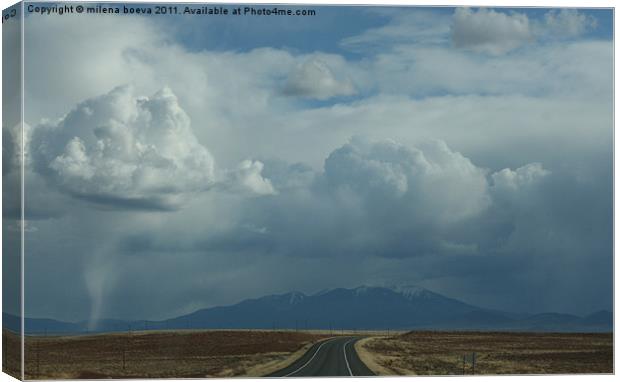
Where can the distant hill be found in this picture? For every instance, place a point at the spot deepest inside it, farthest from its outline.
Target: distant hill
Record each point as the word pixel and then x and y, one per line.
pixel 400 308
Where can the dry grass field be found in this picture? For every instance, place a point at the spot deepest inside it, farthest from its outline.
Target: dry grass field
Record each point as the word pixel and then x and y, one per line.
pixel 11 354
pixel 163 354
pixel 441 353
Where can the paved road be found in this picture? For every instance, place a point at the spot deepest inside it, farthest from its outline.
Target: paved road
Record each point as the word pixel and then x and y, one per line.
pixel 329 358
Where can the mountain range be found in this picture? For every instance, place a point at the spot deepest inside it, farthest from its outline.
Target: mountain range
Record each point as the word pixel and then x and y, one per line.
pixel 378 308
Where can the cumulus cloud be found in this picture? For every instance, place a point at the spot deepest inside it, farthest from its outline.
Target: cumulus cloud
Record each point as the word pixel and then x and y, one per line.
pixel 120 149
pixel 387 199
pixel 566 23
pixel 248 177
pixel 315 79
pixel 434 182
pixel 489 31
pixel 513 180
pixel 493 32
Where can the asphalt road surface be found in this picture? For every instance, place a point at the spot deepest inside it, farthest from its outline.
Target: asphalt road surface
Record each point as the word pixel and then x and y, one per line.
pixel 330 358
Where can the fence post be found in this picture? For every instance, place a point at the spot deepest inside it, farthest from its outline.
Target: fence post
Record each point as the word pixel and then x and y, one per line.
pixel 473 363
pixel 126 346
pixel 463 364
pixel 38 355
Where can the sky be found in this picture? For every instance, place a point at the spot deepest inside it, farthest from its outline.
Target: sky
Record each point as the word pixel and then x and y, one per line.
pixel 176 163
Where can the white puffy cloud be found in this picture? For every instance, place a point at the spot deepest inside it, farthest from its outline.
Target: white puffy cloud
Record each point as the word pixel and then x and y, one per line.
pixel 493 32
pixel 315 79
pixel 512 180
pixel 489 31
pixel 516 192
pixel 433 183
pixel 248 176
pixel 388 199
pixel 119 148
pixel 566 23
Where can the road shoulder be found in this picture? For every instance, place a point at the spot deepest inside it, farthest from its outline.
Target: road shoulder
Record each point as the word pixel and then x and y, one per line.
pixel 370 359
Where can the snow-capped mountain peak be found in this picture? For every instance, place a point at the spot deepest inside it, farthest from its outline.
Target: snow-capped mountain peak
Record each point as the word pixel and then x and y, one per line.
pixel 412 291
pixel 296 297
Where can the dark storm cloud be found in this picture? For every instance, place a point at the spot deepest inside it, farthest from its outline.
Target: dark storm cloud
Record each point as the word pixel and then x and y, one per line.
pixel 245 240
pixel 110 202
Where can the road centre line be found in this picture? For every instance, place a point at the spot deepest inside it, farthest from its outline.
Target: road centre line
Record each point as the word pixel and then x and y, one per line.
pixel 344 349
pixel 310 360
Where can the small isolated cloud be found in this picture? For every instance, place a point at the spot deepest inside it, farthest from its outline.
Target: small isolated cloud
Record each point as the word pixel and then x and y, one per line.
pixel 315 79
pixel 566 23
pixel 489 31
pixel 124 151
pixel 527 175
pixel 248 177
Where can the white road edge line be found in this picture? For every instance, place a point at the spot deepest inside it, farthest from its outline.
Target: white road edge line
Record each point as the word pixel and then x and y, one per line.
pixel 310 360
pixel 344 349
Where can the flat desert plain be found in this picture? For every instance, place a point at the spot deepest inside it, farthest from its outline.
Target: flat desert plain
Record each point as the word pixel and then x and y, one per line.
pixel 441 353
pixel 162 354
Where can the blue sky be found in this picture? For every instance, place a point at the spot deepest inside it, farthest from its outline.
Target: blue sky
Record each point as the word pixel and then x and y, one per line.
pixel 324 33
pixel 177 163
